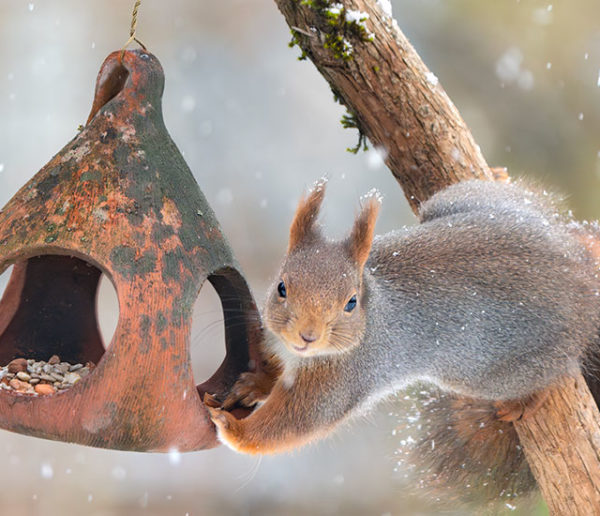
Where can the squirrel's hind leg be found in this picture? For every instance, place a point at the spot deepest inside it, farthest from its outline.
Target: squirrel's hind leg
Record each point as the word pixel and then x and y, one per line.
pixel 515 410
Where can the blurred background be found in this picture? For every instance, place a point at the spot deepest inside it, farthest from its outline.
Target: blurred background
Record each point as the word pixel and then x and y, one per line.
pixel 257 127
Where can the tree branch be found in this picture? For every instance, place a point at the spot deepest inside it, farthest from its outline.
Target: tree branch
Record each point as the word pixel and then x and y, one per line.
pixel 402 108
pixel 398 102
pixel 562 445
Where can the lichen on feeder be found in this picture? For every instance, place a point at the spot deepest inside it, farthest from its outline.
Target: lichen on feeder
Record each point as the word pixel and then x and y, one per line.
pixel 119 199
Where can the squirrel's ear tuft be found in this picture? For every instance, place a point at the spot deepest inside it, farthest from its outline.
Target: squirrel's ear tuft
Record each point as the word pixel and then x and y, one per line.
pixel 361 238
pixel 305 219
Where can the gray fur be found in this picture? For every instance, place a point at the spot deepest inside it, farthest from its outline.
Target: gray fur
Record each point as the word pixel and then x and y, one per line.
pixel 491 297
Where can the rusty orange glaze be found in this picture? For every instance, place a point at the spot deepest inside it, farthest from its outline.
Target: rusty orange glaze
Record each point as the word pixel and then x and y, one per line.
pixel 119 199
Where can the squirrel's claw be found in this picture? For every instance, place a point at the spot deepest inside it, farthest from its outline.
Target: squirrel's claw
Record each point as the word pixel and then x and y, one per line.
pixel 211 401
pixel 231 430
pixel 220 418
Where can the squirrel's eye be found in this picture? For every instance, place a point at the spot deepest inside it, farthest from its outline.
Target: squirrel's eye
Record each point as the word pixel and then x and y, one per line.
pixel 281 289
pixel 350 305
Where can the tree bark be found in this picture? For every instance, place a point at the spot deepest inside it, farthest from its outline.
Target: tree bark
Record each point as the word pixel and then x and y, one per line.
pixel 400 106
pixel 562 445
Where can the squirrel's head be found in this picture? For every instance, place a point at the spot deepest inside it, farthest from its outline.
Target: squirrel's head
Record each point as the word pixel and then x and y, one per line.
pixel 316 304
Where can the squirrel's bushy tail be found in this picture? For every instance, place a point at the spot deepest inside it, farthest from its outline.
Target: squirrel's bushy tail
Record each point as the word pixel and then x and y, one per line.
pixel 466 453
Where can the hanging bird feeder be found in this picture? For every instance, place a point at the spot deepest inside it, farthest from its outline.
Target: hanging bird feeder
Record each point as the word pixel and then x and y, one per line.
pixel 119 199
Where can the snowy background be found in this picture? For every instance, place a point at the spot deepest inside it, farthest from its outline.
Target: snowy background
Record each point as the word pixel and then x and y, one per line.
pixel 256 127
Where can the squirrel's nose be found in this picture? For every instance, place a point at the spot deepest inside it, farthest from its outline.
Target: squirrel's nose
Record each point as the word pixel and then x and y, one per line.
pixel 308 336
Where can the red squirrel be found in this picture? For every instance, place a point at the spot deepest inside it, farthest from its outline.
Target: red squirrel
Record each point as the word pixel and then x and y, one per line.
pixel 491 296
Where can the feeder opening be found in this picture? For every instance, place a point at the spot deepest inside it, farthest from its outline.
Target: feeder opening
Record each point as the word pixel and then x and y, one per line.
pixel 4 277
pixel 207 341
pixel 241 329
pixel 107 310
pixel 49 308
pixel 110 83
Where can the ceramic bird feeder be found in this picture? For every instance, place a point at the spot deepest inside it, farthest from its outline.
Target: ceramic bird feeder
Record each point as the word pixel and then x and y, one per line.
pixel 119 199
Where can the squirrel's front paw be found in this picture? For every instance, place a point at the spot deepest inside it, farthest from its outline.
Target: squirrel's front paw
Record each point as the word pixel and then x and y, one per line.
pixel 222 419
pixel 231 430
pixel 250 389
